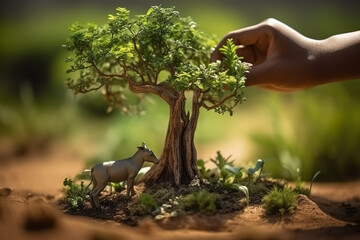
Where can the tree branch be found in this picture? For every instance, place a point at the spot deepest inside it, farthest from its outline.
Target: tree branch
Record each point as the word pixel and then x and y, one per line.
pixel 141 60
pixel 219 103
pixel 107 75
pixel 133 67
pixel 161 90
pixel 92 89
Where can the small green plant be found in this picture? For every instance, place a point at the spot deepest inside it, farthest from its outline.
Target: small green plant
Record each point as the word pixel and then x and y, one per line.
pixel 203 171
pixel 280 201
pixel 118 187
pixel 76 194
pixel 147 203
pixel 299 187
pixel 245 190
pixel 202 201
pixel 313 179
pixel 251 171
pixel 220 161
pixel 163 194
pixel 228 172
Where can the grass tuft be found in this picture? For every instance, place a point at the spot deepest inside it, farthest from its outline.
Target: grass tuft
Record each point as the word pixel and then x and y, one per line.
pixel 202 201
pixel 145 204
pixel 280 201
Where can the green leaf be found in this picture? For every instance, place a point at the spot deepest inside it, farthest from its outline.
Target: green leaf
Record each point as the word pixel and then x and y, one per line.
pixel 259 164
pixel 111 17
pixel 149 11
pixel 229 180
pixel 313 179
pixel 200 163
pixel 232 169
pixel 315 176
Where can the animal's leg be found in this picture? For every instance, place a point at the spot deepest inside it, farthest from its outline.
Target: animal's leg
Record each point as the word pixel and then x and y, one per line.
pixel 92 192
pixel 92 200
pixel 96 192
pixel 111 189
pixel 133 193
pixel 130 186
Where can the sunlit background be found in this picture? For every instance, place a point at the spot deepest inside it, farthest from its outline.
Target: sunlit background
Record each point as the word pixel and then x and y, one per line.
pixel 317 129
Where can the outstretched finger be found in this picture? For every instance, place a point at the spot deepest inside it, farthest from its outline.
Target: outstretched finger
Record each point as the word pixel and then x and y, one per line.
pixel 245 37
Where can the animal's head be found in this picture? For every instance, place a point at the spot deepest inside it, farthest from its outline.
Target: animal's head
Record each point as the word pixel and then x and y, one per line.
pixel 148 154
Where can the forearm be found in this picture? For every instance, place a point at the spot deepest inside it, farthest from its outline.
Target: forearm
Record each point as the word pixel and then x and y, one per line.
pixel 336 58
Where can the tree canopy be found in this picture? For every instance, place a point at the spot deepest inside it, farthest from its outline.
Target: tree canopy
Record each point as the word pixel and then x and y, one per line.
pixel 158 52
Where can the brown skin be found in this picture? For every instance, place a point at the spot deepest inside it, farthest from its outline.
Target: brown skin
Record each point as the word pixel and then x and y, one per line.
pixel 284 60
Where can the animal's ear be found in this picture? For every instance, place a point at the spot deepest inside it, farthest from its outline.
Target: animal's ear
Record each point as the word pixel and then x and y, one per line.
pixel 141 148
pixel 144 145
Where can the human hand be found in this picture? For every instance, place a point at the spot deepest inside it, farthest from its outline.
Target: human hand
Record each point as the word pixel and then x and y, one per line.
pixel 282 57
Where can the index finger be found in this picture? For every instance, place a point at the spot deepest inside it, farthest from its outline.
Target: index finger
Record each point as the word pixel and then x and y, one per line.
pixel 245 36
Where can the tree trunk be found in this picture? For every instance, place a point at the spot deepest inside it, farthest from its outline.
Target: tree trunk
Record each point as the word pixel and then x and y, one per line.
pixel 178 159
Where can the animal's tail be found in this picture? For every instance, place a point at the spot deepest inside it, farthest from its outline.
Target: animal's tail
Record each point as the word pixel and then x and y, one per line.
pixel 88 171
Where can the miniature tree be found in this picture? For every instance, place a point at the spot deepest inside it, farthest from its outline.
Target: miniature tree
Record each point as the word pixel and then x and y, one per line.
pixel 130 55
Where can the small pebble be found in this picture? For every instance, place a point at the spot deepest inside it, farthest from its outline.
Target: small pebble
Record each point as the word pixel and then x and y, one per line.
pixel 5 191
pixel 243 202
pixel 166 206
pixel 174 214
pixel 162 210
pixel 195 183
pixel 205 181
pixel 156 211
pixel 159 217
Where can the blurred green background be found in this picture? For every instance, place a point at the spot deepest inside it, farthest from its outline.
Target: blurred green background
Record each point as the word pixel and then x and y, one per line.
pixel 317 129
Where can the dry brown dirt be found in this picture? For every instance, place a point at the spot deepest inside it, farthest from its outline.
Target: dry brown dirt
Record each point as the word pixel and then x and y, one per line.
pixel 32 184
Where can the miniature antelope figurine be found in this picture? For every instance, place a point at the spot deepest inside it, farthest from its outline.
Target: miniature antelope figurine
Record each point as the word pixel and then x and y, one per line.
pixel 118 171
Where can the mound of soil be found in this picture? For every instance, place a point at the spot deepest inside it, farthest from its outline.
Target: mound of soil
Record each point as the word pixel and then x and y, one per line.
pixel 115 206
pixel 35 216
pixel 30 189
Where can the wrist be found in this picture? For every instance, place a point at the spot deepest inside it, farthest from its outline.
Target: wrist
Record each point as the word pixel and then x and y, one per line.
pixel 336 58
